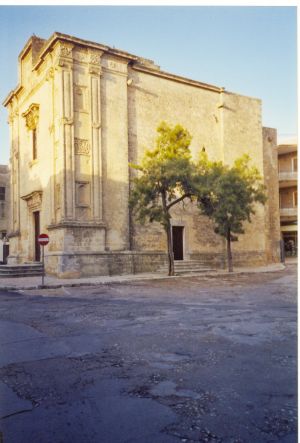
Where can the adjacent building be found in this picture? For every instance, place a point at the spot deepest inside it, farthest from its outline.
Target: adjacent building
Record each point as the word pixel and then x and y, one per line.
pixel 288 195
pixel 80 113
pixel 4 211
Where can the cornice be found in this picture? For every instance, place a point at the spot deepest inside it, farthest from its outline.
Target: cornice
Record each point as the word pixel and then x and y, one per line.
pixel 176 78
pixel 15 92
pixel 83 43
pixel 31 195
pixel 134 61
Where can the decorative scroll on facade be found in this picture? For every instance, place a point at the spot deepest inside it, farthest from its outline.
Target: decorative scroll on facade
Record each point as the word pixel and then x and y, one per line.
pixel 82 147
pixel 32 116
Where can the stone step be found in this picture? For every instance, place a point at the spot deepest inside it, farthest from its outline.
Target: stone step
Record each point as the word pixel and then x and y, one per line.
pixel 24 270
pixel 187 267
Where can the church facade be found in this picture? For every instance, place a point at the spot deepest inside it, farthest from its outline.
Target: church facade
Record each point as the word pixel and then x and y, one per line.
pixel 80 113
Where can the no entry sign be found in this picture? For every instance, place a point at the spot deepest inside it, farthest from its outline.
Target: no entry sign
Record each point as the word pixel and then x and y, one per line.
pixel 43 239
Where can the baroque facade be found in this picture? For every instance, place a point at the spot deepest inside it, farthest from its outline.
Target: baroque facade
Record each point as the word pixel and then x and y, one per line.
pixel 80 113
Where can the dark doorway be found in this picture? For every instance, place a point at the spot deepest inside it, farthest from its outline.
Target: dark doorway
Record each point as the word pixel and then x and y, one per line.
pixel 37 249
pixel 177 232
pixel 5 253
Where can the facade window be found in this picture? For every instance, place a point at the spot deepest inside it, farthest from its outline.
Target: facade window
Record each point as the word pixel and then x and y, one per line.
pixel 34 145
pixel 294 164
pixel 32 118
pixel 2 193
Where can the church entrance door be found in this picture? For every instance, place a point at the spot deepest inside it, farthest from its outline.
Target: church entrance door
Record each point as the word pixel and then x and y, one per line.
pixel 177 232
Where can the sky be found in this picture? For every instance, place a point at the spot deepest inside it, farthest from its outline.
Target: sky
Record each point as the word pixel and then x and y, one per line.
pixel 250 50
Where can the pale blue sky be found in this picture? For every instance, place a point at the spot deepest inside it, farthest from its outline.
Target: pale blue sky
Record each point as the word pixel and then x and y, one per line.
pixel 249 50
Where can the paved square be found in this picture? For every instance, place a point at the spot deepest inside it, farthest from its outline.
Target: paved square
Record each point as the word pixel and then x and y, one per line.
pixel 198 359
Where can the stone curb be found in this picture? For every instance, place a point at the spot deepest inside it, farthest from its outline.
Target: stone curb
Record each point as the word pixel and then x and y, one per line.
pixel 211 274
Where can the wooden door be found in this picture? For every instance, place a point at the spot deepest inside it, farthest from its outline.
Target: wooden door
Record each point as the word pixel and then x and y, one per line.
pixel 177 232
pixel 37 248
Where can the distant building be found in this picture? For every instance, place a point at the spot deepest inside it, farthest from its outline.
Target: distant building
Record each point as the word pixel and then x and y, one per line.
pixel 4 211
pixel 80 113
pixel 288 195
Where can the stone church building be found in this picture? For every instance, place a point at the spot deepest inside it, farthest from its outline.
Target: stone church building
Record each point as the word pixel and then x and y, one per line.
pixel 79 114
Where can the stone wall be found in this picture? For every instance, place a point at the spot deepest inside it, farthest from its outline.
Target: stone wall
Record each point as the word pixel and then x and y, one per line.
pixel 272 217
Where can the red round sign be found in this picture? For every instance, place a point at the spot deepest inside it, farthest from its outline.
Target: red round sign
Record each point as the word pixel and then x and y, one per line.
pixel 43 239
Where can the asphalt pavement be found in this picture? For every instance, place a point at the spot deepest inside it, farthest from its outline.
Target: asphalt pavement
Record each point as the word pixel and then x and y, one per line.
pixel 187 359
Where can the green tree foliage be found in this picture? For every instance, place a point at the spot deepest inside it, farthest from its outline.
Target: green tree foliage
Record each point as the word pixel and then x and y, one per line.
pixel 228 196
pixel 164 179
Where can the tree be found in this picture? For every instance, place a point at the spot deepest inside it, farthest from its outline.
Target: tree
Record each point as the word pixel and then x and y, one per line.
pixel 229 197
pixel 164 180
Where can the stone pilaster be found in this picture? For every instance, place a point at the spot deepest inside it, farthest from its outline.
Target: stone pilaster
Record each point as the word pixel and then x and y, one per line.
pixel 52 180
pixel 94 70
pixel 15 171
pixel 65 63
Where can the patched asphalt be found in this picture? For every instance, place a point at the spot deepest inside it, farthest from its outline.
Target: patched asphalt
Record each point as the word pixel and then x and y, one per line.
pixel 198 359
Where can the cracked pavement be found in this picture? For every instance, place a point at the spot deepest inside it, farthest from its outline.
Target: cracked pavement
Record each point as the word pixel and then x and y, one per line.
pixel 196 359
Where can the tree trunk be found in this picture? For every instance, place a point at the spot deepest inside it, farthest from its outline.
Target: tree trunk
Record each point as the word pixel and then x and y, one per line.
pixel 168 228
pixel 170 248
pixel 229 254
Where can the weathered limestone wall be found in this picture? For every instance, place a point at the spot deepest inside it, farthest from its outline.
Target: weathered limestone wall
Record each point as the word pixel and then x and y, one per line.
pixel 226 125
pixel 272 215
pixel 115 152
pixel 242 129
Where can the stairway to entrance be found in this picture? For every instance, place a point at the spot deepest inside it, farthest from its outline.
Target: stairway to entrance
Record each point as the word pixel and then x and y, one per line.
pixel 24 270
pixel 187 267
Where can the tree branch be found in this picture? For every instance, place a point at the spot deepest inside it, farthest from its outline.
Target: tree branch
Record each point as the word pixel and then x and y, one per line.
pixel 178 200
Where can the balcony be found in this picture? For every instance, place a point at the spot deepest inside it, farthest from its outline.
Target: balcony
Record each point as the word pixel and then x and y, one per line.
pixel 287 175
pixel 287 179
pixel 288 212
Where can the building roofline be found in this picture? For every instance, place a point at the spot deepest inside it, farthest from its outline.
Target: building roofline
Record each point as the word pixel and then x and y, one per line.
pixel 136 63
pixel 178 78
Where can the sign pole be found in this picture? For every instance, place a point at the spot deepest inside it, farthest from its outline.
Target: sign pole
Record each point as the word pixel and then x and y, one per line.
pixel 43 240
pixel 43 260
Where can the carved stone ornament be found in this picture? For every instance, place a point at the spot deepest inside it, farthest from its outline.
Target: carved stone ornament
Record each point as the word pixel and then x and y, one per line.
pixel 96 70
pixel 34 200
pixel 82 147
pixel 66 50
pixel 80 55
pixel 67 121
pixel 114 65
pixel 32 116
pixel 95 57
